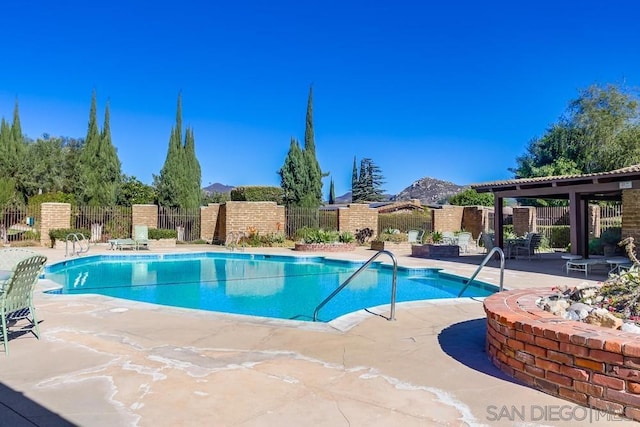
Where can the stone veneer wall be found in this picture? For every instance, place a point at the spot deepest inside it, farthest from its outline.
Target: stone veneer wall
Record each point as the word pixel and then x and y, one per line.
pixel 53 215
pixel 208 222
pixel 357 217
pixel 475 219
pixel 524 220
pixel 263 217
pixel 449 218
pixel 631 214
pixel 144 215
pixel 590 365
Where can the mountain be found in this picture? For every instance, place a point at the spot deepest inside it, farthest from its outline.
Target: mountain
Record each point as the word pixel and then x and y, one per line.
pixel 346 198
pixel 218 188
pixel 430 191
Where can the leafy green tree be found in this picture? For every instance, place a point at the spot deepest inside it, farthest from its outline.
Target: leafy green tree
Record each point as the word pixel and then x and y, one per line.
pixel 99 165
pixel 46 167
pixel 133 192
pixel 7 191
pixel 215 197
pixel 293 175
pixel 180 178
pixel 598 132
pixel 470 197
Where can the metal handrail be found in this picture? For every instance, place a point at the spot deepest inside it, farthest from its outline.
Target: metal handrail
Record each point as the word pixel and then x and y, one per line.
pixel 483 263
pixel 360 270
pixel 74 238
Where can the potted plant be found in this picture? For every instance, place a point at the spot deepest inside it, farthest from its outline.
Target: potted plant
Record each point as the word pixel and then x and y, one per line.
pixel 162 238
pixel 317 239
pixel 391 239
pixel 609 240
pixel 435 247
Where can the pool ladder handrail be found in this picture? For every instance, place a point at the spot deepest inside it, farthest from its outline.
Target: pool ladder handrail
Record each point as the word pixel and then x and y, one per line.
pixel 75 237
pixel 483 263
pixel 392 315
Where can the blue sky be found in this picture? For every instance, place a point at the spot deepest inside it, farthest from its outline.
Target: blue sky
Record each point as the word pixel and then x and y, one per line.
pixel 451 90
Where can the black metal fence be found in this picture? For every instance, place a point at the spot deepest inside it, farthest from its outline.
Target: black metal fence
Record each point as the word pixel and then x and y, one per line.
pixel 405 221
pixel 22 223
pixel 102 223
pixel 297 218
pixel 19 223
pixel 185 221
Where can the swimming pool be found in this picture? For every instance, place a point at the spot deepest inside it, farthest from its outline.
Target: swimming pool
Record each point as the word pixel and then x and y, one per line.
pixel 285 287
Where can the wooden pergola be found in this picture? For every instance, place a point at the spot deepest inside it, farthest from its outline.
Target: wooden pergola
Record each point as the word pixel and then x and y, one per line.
pixel 578 189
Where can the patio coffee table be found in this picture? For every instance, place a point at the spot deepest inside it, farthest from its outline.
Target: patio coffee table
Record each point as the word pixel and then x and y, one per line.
pixel 584 264
pixel 570 257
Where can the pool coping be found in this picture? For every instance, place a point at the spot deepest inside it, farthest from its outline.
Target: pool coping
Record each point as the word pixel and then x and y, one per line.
pixel 341 323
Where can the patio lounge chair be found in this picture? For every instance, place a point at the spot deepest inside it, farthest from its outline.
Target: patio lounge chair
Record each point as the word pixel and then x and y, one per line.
pixel 16 300
pixel 141 236
pixel 449 238
pixel 119 244
pixel 464 240
pixel 487 241
pixel 415 236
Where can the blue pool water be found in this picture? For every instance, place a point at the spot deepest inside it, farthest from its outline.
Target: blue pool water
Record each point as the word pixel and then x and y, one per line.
pixel 259 285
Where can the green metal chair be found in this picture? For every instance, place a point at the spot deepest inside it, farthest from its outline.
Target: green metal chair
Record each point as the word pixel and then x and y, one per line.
pixel 141 236
pixel 16 300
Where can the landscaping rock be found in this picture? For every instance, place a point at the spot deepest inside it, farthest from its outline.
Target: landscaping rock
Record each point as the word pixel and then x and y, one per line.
pixel 580 311
pixel 630 327
pixel 602 317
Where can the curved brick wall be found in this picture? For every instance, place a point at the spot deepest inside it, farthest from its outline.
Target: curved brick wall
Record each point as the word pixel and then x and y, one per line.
pixel 590 365
pixel 325 247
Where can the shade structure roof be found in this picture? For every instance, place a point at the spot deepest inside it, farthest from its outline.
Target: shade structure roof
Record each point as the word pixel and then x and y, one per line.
pixel 578 189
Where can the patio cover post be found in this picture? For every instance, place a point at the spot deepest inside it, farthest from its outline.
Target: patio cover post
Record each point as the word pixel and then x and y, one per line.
pixel 498 220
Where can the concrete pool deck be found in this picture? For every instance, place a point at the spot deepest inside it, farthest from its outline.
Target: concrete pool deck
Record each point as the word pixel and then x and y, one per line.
pixel 106 362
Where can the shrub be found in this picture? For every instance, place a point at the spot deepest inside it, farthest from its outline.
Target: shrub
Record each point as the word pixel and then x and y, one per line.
pixel 393 237
pixel 434 237
pixel 363 235
pixel 257 194
pixel 317 235
pixel 347 237
pixel 162 233
pixel 62 233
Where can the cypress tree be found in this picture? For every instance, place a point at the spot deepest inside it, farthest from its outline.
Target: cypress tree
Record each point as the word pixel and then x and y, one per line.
pixel 6 142
pixel 332 193
pixel 169 180
pixel 89 183
pixel 12 146
pixel 180 178
pixel 293 175
pixel 16 128
pixel 369 185
pixel 99 166
pixel 111 168
pixel 355 188
pixel 193 172
pixel 314 173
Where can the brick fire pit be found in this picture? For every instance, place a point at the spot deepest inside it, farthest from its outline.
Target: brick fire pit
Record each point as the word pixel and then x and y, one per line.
pixel 591 365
